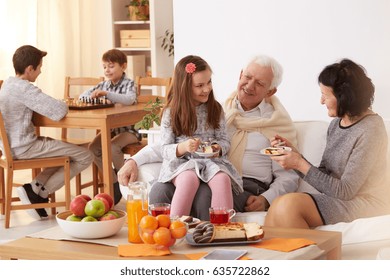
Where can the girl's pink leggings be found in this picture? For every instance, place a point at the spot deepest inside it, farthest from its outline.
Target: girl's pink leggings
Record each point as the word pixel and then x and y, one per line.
pixel 187 184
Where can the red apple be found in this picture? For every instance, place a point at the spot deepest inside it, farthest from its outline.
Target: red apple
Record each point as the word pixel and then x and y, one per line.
pixel 113 213
pixel 86 197
pixel 107 217
pixel 77 205
pixel 107 197
pixel 95 208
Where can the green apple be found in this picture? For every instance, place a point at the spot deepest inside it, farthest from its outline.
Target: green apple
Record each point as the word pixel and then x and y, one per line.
pixel 107 197
pixel 74 218
pixel 88 219
pixel 113 213
pixel 95 208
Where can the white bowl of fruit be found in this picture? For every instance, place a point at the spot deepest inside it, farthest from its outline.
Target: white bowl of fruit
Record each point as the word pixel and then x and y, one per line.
pixel 91 218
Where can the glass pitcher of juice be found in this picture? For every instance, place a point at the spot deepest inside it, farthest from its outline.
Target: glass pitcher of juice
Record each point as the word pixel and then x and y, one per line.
pixel 136 207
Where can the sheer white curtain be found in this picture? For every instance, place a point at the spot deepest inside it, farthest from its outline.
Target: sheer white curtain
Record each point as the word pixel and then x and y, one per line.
pixel 17 27
pixel 75 33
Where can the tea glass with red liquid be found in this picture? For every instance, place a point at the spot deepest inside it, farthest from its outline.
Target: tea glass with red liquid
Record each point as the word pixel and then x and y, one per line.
pixel 159 208
pixel 221 215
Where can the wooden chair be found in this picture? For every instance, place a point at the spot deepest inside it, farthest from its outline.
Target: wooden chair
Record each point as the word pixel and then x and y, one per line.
pixel 81 82
pixel 159 84
pixel 1 82
pixel 8 165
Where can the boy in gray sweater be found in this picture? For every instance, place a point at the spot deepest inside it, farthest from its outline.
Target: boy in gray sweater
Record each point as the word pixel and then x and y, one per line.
pixel 19 99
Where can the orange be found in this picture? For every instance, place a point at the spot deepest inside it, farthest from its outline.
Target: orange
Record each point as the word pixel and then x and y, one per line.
pixel 173 241
pixel 148 222
pixel 178 229
pixel 162 236
pixel 147 236
pixel 163 220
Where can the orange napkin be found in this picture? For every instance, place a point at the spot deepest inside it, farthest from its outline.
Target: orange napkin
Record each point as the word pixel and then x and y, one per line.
pixel 141 250
pixel 284 244
pixel 198 256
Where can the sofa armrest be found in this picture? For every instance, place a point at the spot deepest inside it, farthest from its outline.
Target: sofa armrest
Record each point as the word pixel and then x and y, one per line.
pixel 147 173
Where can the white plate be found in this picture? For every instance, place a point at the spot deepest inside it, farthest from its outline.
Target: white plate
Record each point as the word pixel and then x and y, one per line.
pixel 207 155
pixel 277 151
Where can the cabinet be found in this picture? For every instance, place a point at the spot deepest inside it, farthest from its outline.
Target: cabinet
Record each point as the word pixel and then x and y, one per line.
pixel 144 49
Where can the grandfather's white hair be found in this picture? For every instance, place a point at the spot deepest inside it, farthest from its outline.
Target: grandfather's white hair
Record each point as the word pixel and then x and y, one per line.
pixel 277 69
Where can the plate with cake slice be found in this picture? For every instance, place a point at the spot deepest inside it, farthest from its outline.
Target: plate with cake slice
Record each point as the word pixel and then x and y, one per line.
pixel 206 155
pixel 207 151
pixel 233 233
pixel 275 151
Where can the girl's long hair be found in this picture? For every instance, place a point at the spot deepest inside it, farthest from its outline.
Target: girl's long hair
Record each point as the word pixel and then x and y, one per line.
pixel 179 99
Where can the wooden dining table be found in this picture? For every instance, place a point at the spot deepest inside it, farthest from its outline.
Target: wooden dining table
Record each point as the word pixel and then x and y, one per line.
pixel 103 119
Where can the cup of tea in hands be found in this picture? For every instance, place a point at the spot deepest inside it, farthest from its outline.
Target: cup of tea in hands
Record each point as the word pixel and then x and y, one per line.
pixel 221 215
pixel 159 208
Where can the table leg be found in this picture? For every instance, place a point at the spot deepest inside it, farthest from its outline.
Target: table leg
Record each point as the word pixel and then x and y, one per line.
pixel 334 254
pixel 107 159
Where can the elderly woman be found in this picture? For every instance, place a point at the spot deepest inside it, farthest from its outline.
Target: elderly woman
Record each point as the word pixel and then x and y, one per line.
pixel 350 177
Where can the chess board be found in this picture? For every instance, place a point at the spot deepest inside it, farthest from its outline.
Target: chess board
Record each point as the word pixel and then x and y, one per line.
pixel 88 106
pixel 87 103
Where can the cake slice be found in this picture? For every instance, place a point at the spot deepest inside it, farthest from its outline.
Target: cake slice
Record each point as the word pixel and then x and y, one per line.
pixel 186 219
pixel 229 232
pixel 208 149
pixel 253 231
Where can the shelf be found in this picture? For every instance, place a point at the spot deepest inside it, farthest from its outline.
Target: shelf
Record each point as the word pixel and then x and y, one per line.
pixel 156 60
pixel 133 49
pixel 121 22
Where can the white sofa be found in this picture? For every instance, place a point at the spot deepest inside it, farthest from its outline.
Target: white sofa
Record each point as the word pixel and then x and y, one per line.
pixel 369 235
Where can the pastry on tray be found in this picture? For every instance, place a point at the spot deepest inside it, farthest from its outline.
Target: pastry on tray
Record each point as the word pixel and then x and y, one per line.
pixel 206 232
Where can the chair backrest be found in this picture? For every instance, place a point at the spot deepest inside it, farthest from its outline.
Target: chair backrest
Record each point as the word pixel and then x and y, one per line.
pixel 81 82
pixel 162 85
pixel 4 145
pixel 1 82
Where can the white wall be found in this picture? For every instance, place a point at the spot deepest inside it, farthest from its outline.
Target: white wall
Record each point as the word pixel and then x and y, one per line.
pixel 303 35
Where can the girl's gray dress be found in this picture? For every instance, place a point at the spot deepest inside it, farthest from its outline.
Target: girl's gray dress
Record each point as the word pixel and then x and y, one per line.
pixel 351 176
pixel 205 168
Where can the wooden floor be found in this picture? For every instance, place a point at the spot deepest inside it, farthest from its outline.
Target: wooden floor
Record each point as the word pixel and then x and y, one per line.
pixel 22 223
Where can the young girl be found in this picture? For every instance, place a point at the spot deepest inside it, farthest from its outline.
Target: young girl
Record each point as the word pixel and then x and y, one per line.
pixel 116 89
pixel 191 116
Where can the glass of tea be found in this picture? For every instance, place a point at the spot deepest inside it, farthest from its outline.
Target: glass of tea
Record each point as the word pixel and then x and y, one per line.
pixel 159 208
pixel 221 215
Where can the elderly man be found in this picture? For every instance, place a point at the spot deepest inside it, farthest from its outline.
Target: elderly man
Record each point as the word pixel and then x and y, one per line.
pixel 254 116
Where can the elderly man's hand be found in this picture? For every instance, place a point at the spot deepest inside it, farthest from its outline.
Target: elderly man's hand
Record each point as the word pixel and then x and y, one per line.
pixel 128 173
pixel 256 203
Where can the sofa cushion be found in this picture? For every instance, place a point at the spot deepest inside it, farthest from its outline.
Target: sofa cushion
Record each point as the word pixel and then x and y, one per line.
pixel 358 231
pixel 311 136
pixel 362 230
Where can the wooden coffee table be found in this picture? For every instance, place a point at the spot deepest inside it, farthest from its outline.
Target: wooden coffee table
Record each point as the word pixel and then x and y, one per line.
pixel 45 249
